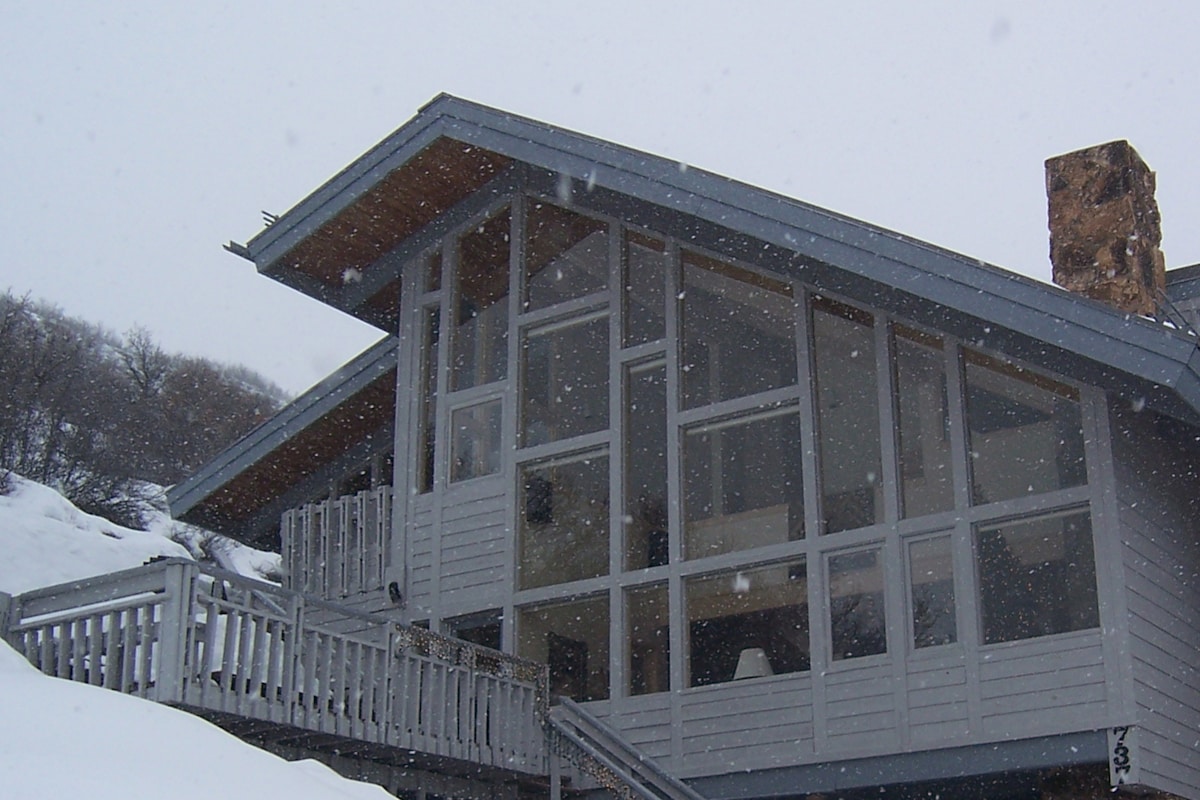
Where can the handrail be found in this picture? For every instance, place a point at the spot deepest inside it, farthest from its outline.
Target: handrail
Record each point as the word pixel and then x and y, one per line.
pixel 213 640
pixel 601 752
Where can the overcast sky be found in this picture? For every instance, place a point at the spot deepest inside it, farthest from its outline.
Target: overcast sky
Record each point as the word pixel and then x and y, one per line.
pixel 137 138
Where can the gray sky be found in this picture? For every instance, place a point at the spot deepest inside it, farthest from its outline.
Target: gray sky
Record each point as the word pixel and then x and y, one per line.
pixel 137 138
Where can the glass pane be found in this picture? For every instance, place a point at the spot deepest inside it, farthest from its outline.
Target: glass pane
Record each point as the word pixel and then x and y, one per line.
pixel 645 289
pixel 572 638
pixel 931 579
pixel 564 522
pixel 747 624
pixel 566 255
pixel 1026 431
pixel 565 389
pixel 483 629
pixel 742 485
pixel 646 467
pixel 1037 577
pixel 475 440
pixel 738 332
pixel 649 645
pixel 433 272
pixel 426 447
pixel 480 310
pixel 857 626
pixel 923 417
pixel 848 409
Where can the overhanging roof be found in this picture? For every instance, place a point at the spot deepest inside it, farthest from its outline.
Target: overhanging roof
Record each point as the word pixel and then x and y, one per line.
pixel 346 241
pixel 311 431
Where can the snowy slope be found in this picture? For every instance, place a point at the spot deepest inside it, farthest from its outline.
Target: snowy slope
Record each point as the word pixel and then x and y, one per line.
pixel 45 540
pixel 63 739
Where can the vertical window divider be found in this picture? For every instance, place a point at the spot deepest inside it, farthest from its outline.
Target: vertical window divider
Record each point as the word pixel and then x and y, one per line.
pixel 675 599
pixel 617 391
pixel 510 411
pixel 889 460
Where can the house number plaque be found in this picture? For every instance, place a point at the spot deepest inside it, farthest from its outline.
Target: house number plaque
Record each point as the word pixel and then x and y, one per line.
pixel 1122 755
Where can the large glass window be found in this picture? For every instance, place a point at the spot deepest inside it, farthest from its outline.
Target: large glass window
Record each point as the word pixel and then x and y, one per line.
pixel 1037 577
pixel 572 638
pixel 475 440
pixel 646 466
pixel 480 308
pixel 738 332
pixel 848 416
pixel 1026 431
pixel 565 386
pixel 931 588
pixel 742 484
pixel 645 270
pixel 857 624
pixel 647 617
pixel 566 255
pixel 747 623
pixel 563 532
pixel 923 417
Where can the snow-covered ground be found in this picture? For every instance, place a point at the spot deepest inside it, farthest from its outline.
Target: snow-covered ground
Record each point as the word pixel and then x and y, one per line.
pixel 63 739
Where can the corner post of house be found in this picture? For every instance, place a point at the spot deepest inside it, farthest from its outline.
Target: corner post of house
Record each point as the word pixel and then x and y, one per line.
pixel 175 628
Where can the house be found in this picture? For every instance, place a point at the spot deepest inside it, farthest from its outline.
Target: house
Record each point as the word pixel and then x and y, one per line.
pixel 795 504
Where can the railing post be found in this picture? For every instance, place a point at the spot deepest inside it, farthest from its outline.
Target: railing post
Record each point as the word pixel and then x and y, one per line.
pixel 173 632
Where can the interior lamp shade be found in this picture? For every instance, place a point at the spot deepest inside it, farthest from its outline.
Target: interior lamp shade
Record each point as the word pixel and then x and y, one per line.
pixel 752 663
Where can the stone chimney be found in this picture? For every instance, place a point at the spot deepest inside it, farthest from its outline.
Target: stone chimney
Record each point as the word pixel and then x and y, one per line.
pixel 1104 227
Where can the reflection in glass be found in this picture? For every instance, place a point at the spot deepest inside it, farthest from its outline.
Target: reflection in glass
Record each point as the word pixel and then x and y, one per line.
pixel 1026 431
pixel 762 608
pixel 566 255
pixel 857 625
pixel 433 271
pixel 923 417
pixel 572 639
pixel 563 533
pixel 742 484
pixel 475 441
pixel 931 581
pixel 480 306
pixel 649 645
pixel 848 416
pixel 1037 577
pixel 738 332
pixel 645 264
pixel 646 466
pixel 565 385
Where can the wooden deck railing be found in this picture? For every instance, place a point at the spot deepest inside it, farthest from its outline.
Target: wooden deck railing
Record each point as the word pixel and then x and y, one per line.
pixel 211 640
pixel 334 548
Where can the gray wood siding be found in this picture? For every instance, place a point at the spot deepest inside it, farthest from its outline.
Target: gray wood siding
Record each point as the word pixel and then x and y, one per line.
pixel 648 725
pixel 861 707
pixel 937 700
pixel 474 541
pixel 1158 495
pixel 1043 686
pixel 420 554
pixel 773 725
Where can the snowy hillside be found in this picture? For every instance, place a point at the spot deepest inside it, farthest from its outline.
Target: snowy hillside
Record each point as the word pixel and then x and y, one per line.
pixel 45 540
pixel 63 739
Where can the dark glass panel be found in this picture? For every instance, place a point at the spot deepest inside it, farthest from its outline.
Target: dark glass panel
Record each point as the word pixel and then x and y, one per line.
pixel 475 441
pixel 1026 431
pixel 646 467
pixel 923 417
pixel 426 446
pixel 566 255
pixel 645 265
pixel 848 415
pixel 742 484
pixel 738 332
pixel 1037 577
pixel 647 616
pixel 857 625
pixel 563 522
pixel 480 308
pixel 749 623
pixel 572 639
pixel 565 386
pixel 931 581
